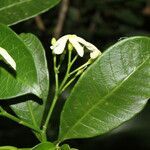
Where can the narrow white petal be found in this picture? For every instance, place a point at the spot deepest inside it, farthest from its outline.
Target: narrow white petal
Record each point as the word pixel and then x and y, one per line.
pixel 7 58
pixel 95 54
pixel 94 50
pixel 90 46
pixel 77 46
pixel 81 40
pixel 60 45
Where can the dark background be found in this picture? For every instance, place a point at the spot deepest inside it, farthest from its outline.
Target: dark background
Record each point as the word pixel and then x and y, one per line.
pixel 103 23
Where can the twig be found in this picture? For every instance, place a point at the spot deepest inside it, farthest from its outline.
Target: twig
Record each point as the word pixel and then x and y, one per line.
pixel 40 23
pixel 6 114
pixel 61 18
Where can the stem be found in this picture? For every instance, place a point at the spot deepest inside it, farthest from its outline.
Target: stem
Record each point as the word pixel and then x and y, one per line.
pixel 67 72
pixel 13 148
pixel 61 59
pixel 54 99
pixel 58 89
pixel 76 75
pixel 24 149
pixel 6 114
pixel 75 58
pixel 65 86
pixel 56 75
pixel 81 67
pixel 49 114
pixel 1 110
pixel 8 148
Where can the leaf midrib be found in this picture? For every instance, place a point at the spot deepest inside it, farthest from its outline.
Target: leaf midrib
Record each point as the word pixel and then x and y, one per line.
pixel 14 4
pixel 29 105
pixel 104 98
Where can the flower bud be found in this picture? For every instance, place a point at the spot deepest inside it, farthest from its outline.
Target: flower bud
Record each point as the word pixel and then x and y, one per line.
pixel 70 47
pixel 53 41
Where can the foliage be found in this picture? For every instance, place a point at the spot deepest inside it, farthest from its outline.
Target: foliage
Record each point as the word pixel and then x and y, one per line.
pixel 21 10
pixel 107 94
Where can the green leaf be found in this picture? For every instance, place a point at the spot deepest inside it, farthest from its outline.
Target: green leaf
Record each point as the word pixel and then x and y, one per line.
pixel 30 111
pixel 44 146
pixel 25 79
pixel 14 11
pixel 114 89
pixel 66 147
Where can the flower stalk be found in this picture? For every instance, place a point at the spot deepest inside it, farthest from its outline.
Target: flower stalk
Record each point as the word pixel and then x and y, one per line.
pixel 58 47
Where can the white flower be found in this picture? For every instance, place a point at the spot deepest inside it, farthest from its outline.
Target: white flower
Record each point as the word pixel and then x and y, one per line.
pixel 7 58
pixel 78 43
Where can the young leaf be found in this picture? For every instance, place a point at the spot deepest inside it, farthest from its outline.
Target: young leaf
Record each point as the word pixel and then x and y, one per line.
pixel 25 79
pixel 14 11
pixel 30 111
pixel 114 89
pixel 45 146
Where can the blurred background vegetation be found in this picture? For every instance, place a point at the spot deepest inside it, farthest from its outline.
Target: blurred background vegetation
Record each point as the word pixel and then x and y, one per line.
pixel 103 23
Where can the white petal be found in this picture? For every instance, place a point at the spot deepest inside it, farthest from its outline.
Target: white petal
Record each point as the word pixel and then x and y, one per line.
pixel 81 40
pixel 77 46
pixel 7 58
pixel 94 50
pixel 60 45
pixel 95 54
pixel 90 46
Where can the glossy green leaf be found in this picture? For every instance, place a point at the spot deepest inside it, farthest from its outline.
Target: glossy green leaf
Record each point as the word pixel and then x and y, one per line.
pixel 30 111
pixel 45 146
pixel 110 92
pixel 25 79
pixel 14 11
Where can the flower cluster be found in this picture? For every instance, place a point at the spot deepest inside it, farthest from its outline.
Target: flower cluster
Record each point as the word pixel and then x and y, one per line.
pixel 78 43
